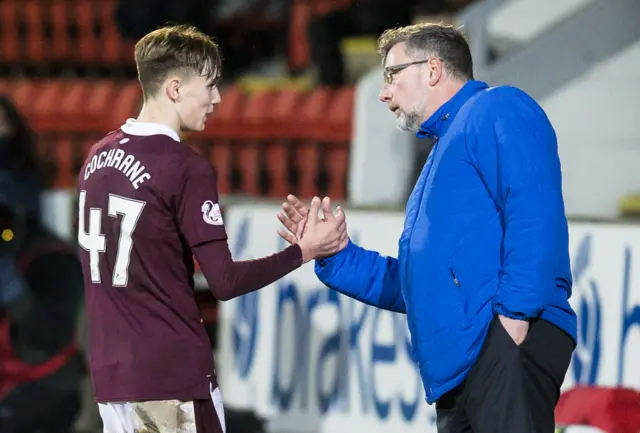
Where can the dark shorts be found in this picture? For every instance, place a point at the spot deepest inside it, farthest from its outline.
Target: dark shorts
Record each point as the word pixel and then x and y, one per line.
pixel 511 388
pixel 209 414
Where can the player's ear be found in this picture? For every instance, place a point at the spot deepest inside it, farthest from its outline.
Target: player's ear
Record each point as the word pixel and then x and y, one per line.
pixel 173 88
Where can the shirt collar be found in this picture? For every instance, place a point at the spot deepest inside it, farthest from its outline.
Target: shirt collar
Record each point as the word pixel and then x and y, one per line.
pixel 436 125
pixel 133 127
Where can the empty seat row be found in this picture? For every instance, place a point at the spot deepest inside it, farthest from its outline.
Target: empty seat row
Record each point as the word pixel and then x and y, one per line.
pixel 67 31
pixel 74 106
pixel 262 143
pixel 281 141
pixel 58 106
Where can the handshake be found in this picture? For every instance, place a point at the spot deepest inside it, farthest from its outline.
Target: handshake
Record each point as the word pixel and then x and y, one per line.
pixel 318 236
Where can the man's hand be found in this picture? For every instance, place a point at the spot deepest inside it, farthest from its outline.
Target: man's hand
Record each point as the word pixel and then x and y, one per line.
pixel 317 237
pixel 517 329
pixel 294 219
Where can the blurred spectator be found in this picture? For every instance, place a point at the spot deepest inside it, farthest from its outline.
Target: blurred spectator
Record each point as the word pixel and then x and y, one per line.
pixel 18 161
pixel 247 31
pixel 334 20
pixel 40 296
pixel 136 18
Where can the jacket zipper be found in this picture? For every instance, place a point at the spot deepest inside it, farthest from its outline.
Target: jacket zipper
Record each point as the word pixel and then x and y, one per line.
pixel 419 202
pixel 455 279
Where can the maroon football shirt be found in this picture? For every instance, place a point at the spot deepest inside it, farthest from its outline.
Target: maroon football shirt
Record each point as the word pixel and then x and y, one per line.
pixel 145 201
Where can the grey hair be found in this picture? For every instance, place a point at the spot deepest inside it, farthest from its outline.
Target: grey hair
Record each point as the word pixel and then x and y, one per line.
pixel 432 39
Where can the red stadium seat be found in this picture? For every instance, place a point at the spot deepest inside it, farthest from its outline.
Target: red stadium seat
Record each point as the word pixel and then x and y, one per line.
pixel 284 108
pixel 23 93
pixel 60 22
pixel 337 158
pixel 70 115
pixel 36 42
pixel 301 11
pixel 338 125
pixel 98 105
pixel 255 122
pixel 65 176
pixel 220 158
pixel 69 32
pixel 114 49
pixel 85 148
pixel 126 104
pixel 225 122
pixel 223 128
pixel 256 119
pixel 307 155
pixel 86 107
pixel 47 115
pixel 336 137
pixel 87 41
pixel 73 112
pixel 11 50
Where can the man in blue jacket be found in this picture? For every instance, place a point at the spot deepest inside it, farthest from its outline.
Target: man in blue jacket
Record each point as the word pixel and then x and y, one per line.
pixel 483 266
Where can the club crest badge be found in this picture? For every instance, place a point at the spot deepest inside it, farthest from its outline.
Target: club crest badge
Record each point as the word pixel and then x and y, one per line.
pixel 211 213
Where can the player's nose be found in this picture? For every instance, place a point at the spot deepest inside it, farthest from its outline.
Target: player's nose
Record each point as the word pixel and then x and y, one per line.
pixel 215 96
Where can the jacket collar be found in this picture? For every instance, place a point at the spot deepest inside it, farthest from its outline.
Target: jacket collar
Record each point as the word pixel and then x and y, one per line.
pixel 436 125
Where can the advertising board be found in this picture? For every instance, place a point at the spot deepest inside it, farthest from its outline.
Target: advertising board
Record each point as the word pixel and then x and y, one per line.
pixel 310 359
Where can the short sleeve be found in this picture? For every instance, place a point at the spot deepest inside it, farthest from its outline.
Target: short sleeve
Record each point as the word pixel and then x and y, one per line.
pixel 198 212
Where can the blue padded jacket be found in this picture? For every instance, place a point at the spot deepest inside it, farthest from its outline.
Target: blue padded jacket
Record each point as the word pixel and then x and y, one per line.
pixel 485 233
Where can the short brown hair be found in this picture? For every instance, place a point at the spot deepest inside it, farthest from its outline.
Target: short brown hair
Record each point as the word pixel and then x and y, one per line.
pixel 179 48
pixel 439 40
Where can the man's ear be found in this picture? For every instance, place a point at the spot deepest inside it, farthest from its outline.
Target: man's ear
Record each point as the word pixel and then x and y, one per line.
pixel 435 70
pixel 172 88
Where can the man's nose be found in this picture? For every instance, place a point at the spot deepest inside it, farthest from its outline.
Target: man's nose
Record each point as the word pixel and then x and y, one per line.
pixel 385 94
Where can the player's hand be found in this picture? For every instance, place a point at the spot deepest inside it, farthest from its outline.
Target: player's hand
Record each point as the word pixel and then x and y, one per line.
pixel 517 329
pixel 326 236
pixel 323 237
pixel 294 218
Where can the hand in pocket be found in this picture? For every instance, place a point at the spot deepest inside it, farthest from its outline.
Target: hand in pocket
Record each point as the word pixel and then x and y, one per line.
pixel 517 329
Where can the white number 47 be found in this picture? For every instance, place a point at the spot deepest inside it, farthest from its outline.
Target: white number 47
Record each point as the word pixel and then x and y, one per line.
pixel 95 242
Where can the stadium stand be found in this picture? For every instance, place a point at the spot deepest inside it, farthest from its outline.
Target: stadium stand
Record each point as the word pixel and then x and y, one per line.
pixel 70 73
pixel 49 37
pixel 249 140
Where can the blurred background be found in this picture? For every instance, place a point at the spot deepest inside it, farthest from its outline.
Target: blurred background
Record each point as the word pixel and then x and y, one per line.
pixel 300 114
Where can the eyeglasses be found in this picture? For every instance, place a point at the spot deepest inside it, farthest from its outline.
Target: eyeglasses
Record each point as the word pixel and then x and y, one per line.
pixel 390 71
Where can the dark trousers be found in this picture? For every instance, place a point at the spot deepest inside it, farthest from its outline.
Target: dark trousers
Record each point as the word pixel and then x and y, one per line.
pixel 35 408
pixel 511 388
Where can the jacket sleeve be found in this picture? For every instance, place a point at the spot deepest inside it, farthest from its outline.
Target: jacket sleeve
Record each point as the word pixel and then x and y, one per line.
pixel 365 276
pixel 516 154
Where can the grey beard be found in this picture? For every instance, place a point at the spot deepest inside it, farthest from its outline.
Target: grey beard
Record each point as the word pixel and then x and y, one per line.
pixel 408 122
